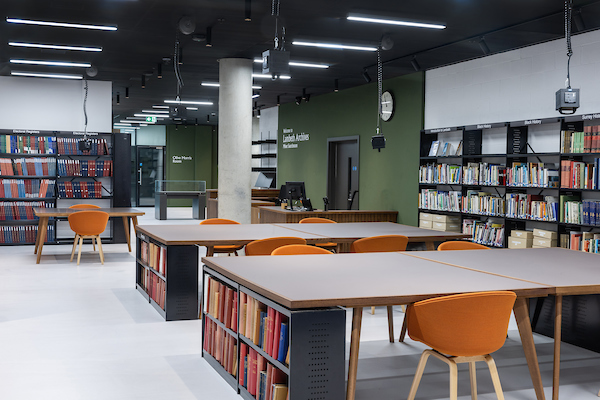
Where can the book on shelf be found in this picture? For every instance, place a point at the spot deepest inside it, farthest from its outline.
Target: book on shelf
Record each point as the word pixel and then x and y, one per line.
pixel 447 149
pixel 433 150
pixel 459 149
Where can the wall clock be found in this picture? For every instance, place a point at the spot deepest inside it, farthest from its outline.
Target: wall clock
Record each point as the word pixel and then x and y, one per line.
pixel 387 106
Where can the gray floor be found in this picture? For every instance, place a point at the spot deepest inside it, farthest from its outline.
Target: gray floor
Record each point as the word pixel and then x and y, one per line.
pixel 84 332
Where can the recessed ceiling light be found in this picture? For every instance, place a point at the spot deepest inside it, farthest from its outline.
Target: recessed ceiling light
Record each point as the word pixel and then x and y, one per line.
pixel 214 84
pixel 201 103
pixel 267 76
pixel 160 106
pixel 40 75
pixel 395 22
pixel 60 24
pixel 155 111
pixel 334 46
pixel 298 64
pixel 53 63
pixel 192 108
pixel 54 46
pixel 122 124
pixel 151 115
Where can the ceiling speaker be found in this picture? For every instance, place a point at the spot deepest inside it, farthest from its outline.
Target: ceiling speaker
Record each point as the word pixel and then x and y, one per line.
pixel 187 25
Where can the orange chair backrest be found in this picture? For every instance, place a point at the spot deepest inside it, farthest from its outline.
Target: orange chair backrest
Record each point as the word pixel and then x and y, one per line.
pixel 264 247
pixel 88 222
pixel 297 249
pixel 461 245
pixel 219 221
pixel 84 206
pixel 468 324
pixel 375 244
pixel 316 220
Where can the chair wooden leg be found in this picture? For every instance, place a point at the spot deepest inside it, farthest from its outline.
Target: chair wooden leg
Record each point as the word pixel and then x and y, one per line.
pixel 418 374
pixel 599 394
pixel 403 330
pixel 372 310
pixel 403 307
pixel 100 249
pixel 453 381
pixel 495 378
pixel 390 315
pixel 74 247
pixel 473 376
pixel 79 254
pixel 94 243
pixel 210 251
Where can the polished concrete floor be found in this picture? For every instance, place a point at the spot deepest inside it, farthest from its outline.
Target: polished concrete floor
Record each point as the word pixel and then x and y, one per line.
pixel 84 333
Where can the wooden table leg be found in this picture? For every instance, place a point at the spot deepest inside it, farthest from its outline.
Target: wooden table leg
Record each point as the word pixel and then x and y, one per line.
pixel 126 226
pixel 134 220
pixel 430 246
pixel 557 339
pixel 354 345
pixel 37 237
pixel 390 314
pixel 522 316
pixel 42 227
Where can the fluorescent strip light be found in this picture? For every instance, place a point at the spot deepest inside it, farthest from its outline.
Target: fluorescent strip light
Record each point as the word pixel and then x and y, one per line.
pixel 297 64
pixel 60 24
pixel 143 124
pixel 54 46
pixel 40 75
pixel 335 46
pixel 254 96
pixel 192 108
pixel 121 124
pixel 201 103
pixel 139 121
pixel 267 76
pixel 151 115
pixel 53 63
pixel 160 106
pixel 155 111
pixel 213 84
pixel 395 22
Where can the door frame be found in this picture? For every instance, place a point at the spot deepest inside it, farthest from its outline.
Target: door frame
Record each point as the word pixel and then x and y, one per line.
pixel 330 142
pixel 137 164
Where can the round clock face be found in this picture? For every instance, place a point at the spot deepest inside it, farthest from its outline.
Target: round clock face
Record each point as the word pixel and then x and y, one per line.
pixel 387 106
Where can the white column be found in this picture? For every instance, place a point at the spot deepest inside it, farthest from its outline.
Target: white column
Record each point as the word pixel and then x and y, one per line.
pixel 235 138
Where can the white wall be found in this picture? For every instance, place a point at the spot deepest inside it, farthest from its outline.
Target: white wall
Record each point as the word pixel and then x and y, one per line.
pixel 54 104
pixel 516 85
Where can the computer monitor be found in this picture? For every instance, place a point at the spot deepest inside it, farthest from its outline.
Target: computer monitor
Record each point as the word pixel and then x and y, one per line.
pixel 295 190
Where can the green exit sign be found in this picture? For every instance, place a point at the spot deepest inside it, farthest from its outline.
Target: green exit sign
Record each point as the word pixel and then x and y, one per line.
pixel 150 119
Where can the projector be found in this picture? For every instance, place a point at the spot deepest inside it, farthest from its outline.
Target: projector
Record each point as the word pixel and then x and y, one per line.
pixel 276 62
pixel 85 145
pixel 378 142
pixel 567 101
pixel 178 113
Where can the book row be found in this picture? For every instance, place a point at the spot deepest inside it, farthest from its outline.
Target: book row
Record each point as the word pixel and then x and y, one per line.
pixel 579 175
pixel 441 149
pixel 80 190
pixel 266 327
pixel 24 234
pixel 154 256
pixel 483 203
pixel 21 210
pixel 261 379
pixel 587 141
pixel 222 303
pixel 70 146
pixel 154 286
pixel 221 346
pixel 581 241
pixel 586 212
pixel 85 167
pixel 440 173
pixel 27 188
pixel 16 144
pixel 431 199
pixel 28 166
pixel 486 233
pixel 529 206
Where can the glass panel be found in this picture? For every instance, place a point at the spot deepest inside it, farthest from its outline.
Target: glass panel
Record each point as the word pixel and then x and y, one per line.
pixel 180 186
pixel 150 169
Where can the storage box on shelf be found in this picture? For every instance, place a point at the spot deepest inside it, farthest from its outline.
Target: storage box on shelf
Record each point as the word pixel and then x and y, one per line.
pixel 277 346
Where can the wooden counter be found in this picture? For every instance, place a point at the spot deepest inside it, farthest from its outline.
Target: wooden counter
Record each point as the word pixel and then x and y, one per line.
pixel 274 215
pixel 259 197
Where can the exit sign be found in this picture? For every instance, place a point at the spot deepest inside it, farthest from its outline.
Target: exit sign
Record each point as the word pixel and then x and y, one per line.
pixel 151 119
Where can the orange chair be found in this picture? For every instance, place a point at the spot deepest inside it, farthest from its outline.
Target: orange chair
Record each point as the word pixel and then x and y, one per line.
pixel 88 206
pixel 461 328
pixel 264 247
pixel 316 220
pixel 298 249
pixel 377 244
pixel 461 245
pixel 212 250
pixel 88 225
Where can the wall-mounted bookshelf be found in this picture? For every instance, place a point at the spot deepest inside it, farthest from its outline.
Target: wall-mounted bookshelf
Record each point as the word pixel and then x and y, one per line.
pixel 521 175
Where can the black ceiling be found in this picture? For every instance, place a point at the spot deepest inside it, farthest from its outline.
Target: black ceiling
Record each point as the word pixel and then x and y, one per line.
pixel 147 31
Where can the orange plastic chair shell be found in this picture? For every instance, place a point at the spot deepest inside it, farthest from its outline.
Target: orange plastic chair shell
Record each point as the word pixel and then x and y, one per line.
pixel 218 221
pixel 461 245
pixel 84 206
pixel 297 249
pixel 467 325
pixel 88 223
pixel 375 244
pixel 316 220
pixel 264 247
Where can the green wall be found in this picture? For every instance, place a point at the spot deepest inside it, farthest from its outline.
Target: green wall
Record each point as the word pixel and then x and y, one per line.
pixel 193 141
pixel 388 179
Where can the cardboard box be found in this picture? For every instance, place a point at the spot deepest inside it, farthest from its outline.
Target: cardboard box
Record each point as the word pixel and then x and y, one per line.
pixel 446 219
pixel 519 243
pixel 425 216
pixel 425 224
pixel 522 234
pixel 540 242
pixel 545 234
pixel 538 247
pixel 446 226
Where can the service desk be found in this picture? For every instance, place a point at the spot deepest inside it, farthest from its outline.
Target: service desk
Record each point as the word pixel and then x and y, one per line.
pixel 259 197
pixel 275 215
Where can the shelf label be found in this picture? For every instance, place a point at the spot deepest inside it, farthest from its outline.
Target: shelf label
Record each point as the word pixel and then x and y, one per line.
pixel 533 122
pixel 440 130
pixel 590 116
pixel 484 126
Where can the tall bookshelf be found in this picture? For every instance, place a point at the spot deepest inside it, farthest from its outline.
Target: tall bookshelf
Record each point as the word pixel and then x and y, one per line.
pixel 244 340
pixel 47 169
pixel 507 152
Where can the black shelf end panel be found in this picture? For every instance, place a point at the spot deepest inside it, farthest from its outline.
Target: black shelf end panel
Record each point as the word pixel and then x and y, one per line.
pixel 182 283
pixel 121 180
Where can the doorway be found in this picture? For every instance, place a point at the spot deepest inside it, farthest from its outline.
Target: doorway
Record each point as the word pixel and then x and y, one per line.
pixel 342 173
pixel 149 168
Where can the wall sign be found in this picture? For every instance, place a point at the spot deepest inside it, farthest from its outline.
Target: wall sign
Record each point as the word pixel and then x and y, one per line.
pixel 181 159
pixel 290 139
